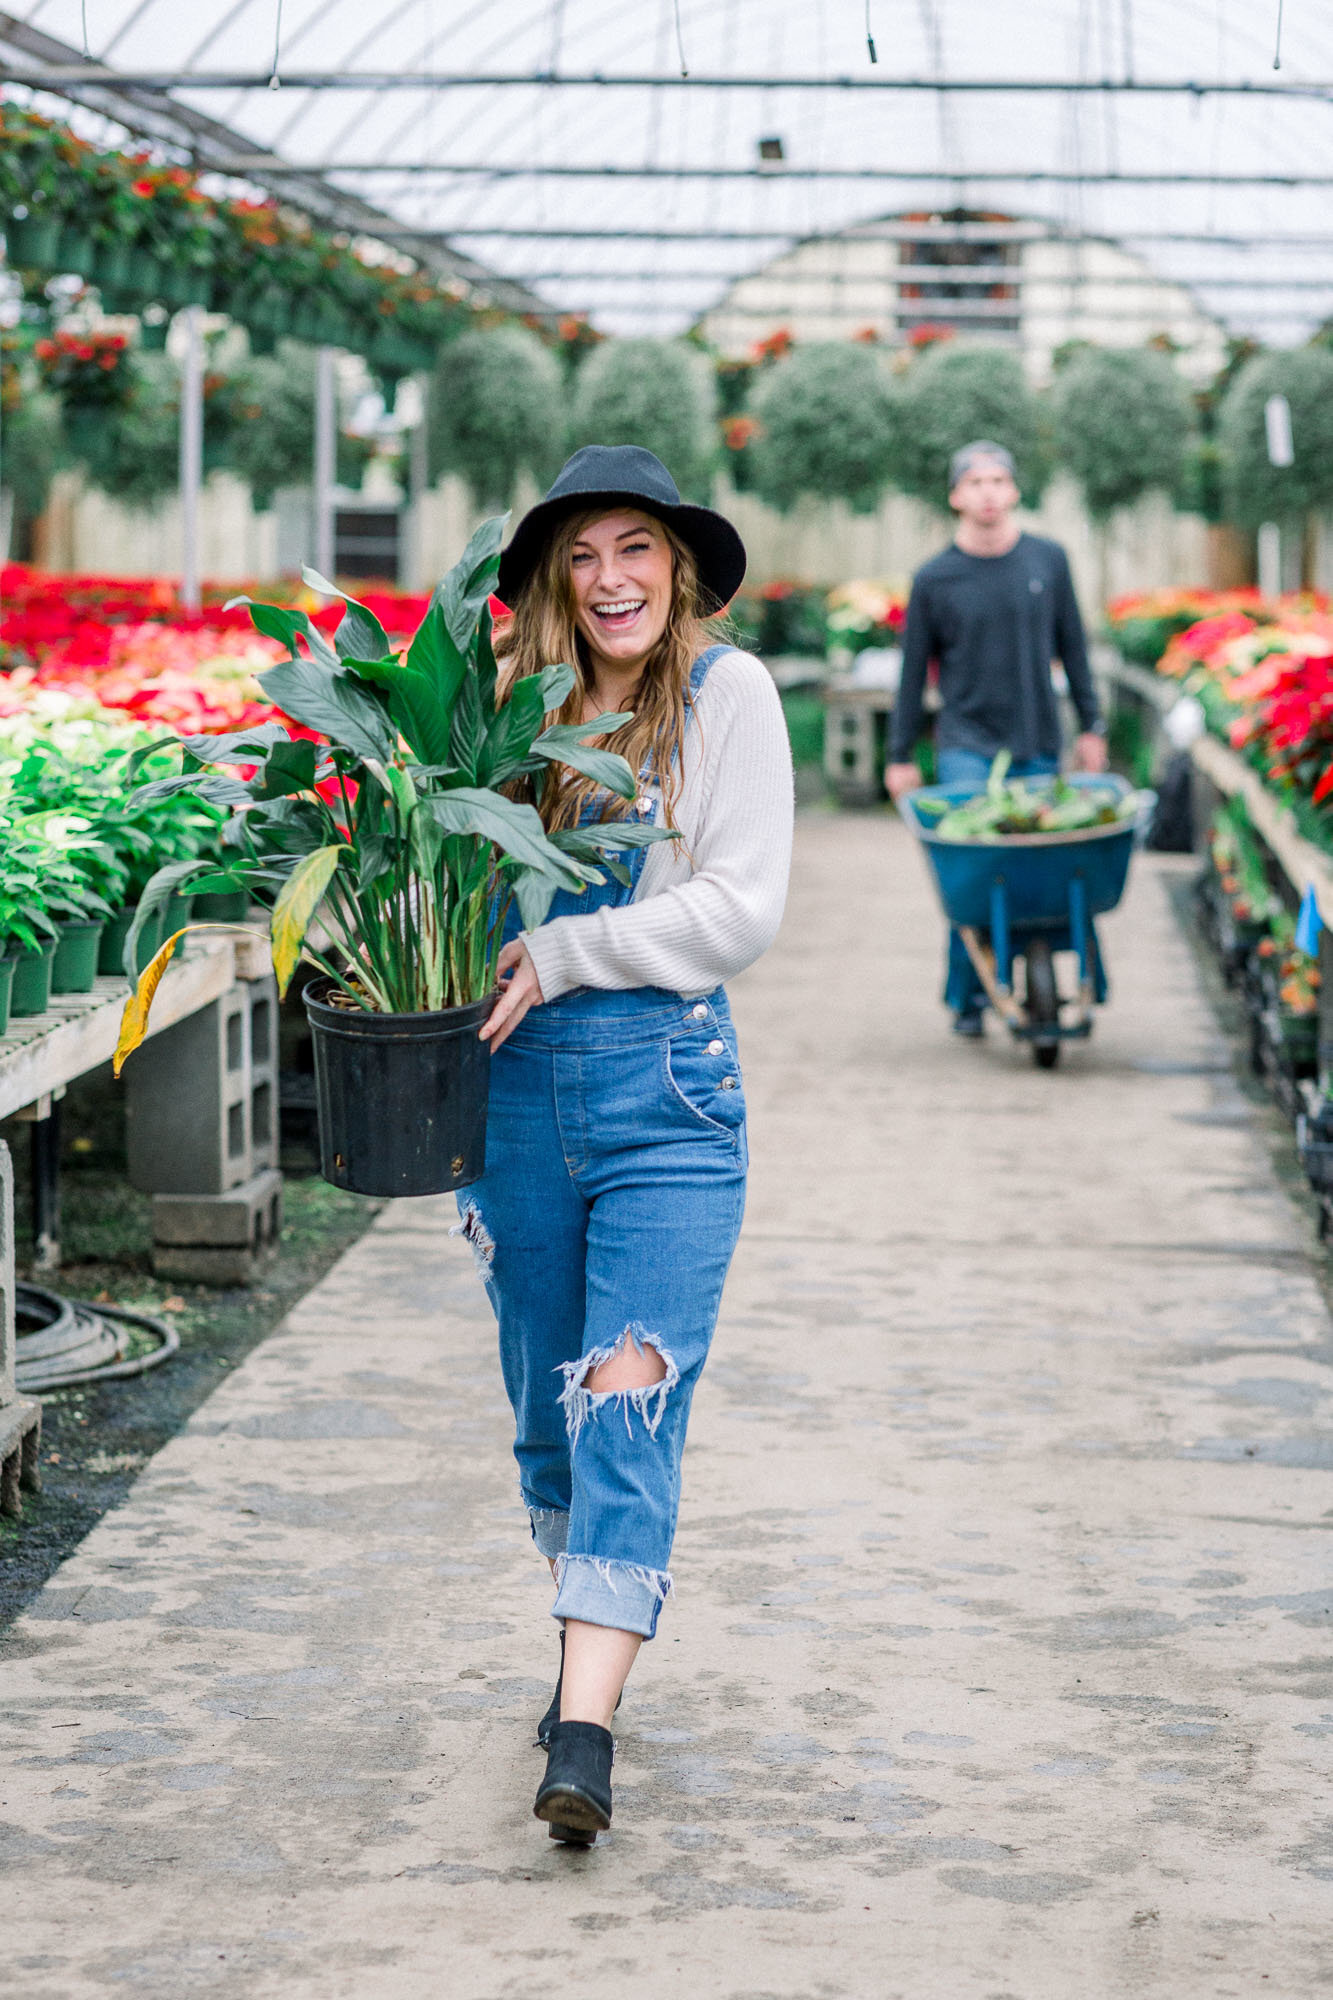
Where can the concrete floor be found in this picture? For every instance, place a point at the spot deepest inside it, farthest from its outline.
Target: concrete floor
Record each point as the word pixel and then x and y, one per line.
pixel 999 1665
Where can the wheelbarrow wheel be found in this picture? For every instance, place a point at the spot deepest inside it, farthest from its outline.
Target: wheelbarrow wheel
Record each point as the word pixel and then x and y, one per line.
pixel 1043 1003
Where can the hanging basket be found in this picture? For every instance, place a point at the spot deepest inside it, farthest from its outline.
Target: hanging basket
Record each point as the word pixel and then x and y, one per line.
pixel 33 242
pixel 113 273
pixel 77 253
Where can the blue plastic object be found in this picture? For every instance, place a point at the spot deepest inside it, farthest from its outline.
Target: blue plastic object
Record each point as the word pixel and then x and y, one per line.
pixel 1026 882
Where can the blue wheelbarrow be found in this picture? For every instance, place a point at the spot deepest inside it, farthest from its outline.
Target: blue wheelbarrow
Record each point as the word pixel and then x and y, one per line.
pixel 1030 895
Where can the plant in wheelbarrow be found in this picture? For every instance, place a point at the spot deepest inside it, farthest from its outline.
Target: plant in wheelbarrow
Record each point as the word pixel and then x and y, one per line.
pixel 391 851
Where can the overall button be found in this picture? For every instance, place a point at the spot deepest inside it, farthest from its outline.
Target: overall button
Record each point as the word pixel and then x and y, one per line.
pixel 716 1048
pixel 700 1012
pixel 728 1083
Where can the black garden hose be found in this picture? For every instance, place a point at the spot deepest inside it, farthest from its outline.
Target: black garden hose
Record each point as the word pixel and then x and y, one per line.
pixel 63 1342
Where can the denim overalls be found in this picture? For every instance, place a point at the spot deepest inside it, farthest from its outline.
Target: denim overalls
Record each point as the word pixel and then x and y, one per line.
pixel 609 1210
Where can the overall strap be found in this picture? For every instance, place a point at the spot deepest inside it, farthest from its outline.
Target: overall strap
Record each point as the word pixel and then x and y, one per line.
pixel 700 670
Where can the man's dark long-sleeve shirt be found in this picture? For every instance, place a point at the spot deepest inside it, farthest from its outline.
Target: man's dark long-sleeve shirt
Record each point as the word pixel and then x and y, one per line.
pixel 995 624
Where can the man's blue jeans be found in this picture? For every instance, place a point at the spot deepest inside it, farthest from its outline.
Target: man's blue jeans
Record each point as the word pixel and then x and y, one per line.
pixel 963 991
pixel 608 1213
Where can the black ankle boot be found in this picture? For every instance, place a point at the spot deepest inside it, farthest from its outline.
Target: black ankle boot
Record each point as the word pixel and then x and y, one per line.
pixel 552 1714
pixel 575 1795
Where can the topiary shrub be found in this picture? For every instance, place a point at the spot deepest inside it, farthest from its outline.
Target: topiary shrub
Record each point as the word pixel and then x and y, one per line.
pixel 654 393
pixel 1122 422
pixel 827 417
pixel 495 409
pixel 273 421
pixel 1257 491
pixel 951 395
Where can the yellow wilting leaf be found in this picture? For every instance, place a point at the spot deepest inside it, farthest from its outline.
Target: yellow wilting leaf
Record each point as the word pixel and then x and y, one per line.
pixel 134 1020
pixel 302 894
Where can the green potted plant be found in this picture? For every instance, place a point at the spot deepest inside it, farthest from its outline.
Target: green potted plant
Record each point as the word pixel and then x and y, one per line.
pixel 391 851
pixel 28 934
pixel 74 864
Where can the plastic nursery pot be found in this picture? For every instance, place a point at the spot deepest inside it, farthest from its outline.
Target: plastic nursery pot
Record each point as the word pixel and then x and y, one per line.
pixel 228 907
pixel 6 990
pixel 401 1098
pixel 74 966
pixel 31 991
pixel 175 916
pixel 33 241
pixel 111 954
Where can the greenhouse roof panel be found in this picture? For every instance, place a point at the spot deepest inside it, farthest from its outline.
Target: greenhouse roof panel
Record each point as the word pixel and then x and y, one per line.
pixel 478 139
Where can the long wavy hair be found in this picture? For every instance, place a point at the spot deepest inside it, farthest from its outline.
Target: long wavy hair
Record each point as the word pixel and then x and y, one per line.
pixel 543 629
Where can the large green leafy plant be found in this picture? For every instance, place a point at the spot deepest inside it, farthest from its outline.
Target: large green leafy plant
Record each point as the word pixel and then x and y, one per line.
pixel 396 831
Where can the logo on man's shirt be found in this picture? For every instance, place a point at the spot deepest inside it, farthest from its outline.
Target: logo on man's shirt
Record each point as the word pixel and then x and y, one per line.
pixel 1035 585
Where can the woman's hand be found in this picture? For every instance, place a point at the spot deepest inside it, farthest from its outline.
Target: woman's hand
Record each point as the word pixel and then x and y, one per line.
pixel 520 989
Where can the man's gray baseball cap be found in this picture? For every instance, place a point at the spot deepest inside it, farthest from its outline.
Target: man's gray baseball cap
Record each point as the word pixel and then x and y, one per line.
pixel 971 455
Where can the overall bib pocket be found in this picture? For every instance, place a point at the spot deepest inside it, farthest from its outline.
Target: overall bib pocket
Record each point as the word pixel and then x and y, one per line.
pixel 703 1077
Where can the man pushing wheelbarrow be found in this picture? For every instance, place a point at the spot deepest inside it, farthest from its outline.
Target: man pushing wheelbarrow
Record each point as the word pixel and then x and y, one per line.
pixel 995 609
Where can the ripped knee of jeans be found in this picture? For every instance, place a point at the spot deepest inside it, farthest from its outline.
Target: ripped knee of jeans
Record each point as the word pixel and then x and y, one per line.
pixel 646 1398
pixel 478 1238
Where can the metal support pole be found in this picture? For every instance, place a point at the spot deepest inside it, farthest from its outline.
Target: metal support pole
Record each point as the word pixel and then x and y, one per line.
pixel 191 453
pixel 418 477
pixel 45 1155
pixel 326 456
pixel 1270 559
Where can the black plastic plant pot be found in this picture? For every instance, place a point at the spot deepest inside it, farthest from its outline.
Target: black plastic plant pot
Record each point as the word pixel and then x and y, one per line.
pixel 401 1098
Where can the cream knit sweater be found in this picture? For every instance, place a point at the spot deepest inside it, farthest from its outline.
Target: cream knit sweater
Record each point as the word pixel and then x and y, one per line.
pixel 709 904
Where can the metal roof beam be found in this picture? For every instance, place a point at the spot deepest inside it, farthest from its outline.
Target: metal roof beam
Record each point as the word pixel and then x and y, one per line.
pixel 788 240
pixel 61 75
pixel 249 166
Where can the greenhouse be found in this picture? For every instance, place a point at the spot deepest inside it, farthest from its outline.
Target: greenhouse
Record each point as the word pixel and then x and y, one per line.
pixel 666 699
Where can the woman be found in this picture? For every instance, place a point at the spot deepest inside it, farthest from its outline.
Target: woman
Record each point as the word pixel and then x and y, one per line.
pixel 615 1147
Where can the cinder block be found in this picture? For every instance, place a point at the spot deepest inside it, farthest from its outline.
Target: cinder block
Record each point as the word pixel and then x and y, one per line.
pixel 263 996
pixel 188 1102
pixel 20 1416
pixel 221 1239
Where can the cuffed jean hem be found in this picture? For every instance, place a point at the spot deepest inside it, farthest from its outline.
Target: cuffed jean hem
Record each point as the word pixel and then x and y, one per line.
pixel 625 1596
pixel 550 1530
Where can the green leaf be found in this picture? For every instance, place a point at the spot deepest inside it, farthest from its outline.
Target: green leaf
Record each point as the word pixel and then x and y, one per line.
pixel 331 703
pixel 534 894
pixel 462 594
pixel 422 689
pixel 301 896
pixel 238 746
pixel 276 622
pixel 467 737
pixel 557 682
pixel 609 836
pixel 289 767
pixel 138 758
pixel 514 828
pixel 488 671
pixel 216 788
pixel 359 636
pixel 605 767
pixel 160 887
pixel 510 736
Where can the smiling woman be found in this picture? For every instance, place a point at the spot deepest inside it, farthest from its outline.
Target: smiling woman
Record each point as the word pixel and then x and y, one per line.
pixel 615 1143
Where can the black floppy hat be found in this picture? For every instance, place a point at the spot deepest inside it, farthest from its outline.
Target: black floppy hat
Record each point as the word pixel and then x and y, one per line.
pixel 626 473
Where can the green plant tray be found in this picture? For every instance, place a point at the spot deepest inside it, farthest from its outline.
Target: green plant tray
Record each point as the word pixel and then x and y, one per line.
pixel 6 992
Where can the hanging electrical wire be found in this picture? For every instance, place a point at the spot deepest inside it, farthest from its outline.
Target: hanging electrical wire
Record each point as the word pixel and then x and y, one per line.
pixel 680 43
pixel 83 13
pixel 870 39
pixel 1277 47
pixel 275 81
